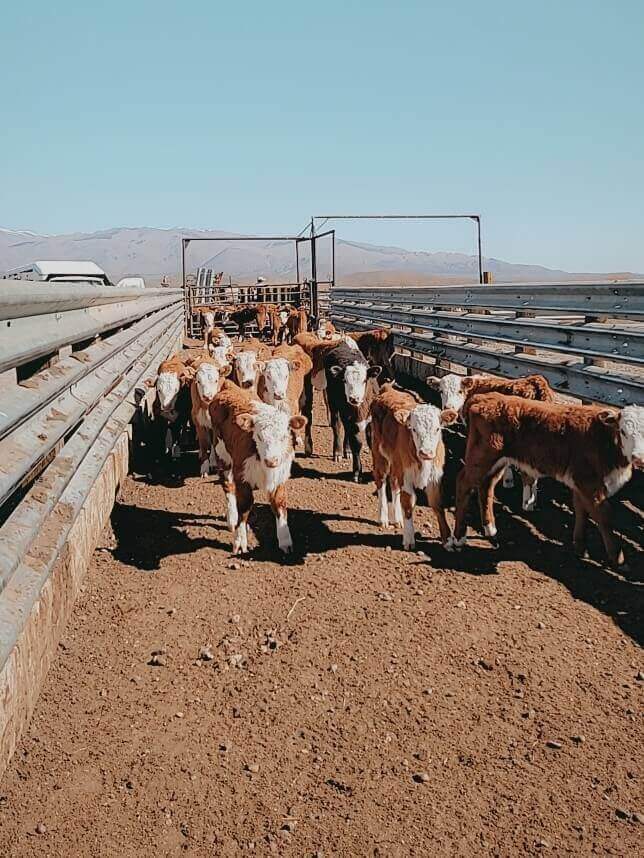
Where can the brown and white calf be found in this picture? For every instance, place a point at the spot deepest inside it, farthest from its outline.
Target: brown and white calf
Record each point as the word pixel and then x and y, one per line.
pixel 172 401
pixel 589 448
pixel 285 382
pixel 408 451
pixel 248 362
pixel 254 450
pixel 209 374
pixel 455 390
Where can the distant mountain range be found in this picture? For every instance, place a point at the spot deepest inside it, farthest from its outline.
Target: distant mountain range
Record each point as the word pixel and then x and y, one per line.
pixel 152 253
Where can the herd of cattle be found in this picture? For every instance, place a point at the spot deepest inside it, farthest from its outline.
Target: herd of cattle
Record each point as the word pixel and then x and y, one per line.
pixel 251 405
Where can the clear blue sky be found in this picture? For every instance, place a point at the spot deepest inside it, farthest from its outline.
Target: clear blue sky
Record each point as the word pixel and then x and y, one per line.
pixel 252 116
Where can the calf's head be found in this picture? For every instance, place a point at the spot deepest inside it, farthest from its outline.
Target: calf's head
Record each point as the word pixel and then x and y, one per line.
pixel 168 385
pixel 207 378
pixel 454 389
pixel 628 424
pixel 355 376
pixel 425 423
pixel 271 431
pixel 276 374
pixel 247 367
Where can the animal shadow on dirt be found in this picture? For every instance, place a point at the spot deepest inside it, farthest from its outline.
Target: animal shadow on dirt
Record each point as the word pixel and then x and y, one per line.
pixel 145 536
pixel 543 539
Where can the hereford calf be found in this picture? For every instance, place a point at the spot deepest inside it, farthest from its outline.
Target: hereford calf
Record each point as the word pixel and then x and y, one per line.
pixel 407 448
pixel 248 362
pixel 286 383
pixel 378 347
pixel 455 390
pixel 208 377
pixel 590 449
pixel 172 402
pixel 350 388
pixel 254 450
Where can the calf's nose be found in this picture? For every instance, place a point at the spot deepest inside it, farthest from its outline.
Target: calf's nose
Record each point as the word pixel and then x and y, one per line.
pixel 271 463
pixel 247 383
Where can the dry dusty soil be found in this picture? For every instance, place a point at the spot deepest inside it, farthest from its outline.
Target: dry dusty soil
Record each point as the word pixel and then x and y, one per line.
pixel 357 701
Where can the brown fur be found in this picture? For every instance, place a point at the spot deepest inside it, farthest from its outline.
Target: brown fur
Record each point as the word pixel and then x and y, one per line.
pixel 394 451
pixel 577 444
pixel 533 387
pixel 230 404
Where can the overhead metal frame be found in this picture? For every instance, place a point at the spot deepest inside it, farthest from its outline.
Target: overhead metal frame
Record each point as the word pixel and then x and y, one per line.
pixel 475 217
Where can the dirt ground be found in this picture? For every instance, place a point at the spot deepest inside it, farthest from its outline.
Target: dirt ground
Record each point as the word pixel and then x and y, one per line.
pixel 357 701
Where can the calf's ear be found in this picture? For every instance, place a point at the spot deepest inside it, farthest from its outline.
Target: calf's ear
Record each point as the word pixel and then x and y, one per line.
pixel 609 417
pixel 402 416
pixel 149 382
pixel 335 371
pixel 374 371
pixel 245 422
pixel 448 416
pixel 298 422
pixel 466 382
pixel 295 365
pixel 432 381
pixel 261 365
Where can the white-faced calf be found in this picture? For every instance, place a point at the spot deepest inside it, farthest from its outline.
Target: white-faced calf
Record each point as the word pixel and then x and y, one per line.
pixel 408 451
pixel 455 390
pixel 351 385
pixel 590 449
pixel 254 450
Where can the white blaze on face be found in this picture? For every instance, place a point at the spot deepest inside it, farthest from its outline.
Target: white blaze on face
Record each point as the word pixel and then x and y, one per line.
pixel 631 431
pixel 283 316
pixel 246 368
pixel 424 423
pixel 220 355
pixel 355 383
pixel 168 386
pixel 451 391
pixel 276 374
pixel 272 436
pixel 207 378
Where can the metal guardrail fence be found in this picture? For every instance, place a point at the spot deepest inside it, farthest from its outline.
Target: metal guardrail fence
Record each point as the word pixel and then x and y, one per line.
pixel 54 419
pixel 586 338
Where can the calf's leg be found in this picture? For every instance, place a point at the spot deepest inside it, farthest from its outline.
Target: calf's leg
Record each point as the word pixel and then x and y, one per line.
pixel 581 519
pixel 351 432
pixel 486 502
pixel 408 499
pixel 306 408
pixel 603 515
pixel 278 505
pixel 434 496
pixel 529 492
pixel 244 496
pixel 395 510
pixel 336 425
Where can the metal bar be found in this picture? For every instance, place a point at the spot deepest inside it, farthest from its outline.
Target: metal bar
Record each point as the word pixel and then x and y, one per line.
pixel 314 273
pixel 22 400
pixel 478 244
pixel 588 383
pixel 38 436
pixel 241 238
pixel 26 338
pixel 396 217
pixel 623 300
pixel 614 343
pixel 20 298
pixel 25 522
